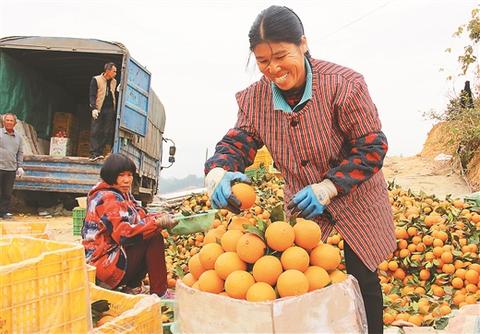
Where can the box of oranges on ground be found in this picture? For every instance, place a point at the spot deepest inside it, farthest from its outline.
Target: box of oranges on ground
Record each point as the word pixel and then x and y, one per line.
pixel 269 278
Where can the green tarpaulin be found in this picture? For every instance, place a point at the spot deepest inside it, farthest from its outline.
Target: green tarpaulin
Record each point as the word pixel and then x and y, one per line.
pixel 26 93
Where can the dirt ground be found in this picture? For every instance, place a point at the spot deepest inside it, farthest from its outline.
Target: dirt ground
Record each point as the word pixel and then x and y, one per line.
pixel 416 173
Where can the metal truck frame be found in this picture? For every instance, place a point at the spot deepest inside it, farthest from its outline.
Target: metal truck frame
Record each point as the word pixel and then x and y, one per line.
pixel 71 62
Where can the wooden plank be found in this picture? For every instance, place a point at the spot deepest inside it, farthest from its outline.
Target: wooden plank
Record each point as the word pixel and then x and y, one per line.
pixel 58 169
pixel 55 180
pixel 49 158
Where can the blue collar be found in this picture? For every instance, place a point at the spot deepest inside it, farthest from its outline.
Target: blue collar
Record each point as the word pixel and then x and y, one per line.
pixel 279 102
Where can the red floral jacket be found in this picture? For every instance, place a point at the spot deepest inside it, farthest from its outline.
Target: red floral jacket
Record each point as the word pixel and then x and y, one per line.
pixel 113 221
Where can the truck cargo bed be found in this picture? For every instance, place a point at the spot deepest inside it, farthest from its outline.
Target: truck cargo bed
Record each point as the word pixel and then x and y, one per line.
pixel 59 174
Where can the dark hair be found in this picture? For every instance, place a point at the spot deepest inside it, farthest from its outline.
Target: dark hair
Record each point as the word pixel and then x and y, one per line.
pixel 276 24
pixel 108 66
pixel 114 165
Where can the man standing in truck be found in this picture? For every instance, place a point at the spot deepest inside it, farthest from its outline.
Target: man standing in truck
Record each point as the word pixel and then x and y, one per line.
pixel 11 160
pixel 102 105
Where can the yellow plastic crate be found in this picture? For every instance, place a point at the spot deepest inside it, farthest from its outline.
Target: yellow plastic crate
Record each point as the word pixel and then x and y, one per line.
pixel 35 229
pixel 133 313
pixel 262 157
pixel 91 272
pixel 43 287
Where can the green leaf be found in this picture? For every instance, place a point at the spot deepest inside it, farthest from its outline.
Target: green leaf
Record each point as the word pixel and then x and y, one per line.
pixel 254 230
pixel 178 271
pixel 441 323
pixel 262 226
pixel 277 213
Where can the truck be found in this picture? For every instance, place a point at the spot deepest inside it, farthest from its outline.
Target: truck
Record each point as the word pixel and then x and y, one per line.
pixel 43 77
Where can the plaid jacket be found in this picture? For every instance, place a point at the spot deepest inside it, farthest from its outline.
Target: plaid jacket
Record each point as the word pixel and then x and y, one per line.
pixel 113 221
pixel 336 135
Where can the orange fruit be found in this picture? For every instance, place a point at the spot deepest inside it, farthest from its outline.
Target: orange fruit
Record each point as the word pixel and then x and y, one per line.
pixel 471 276
pixel 260 292
pixel 196 285
pixel 245 194
pixel 457 283
pixel 383 266
pixel 238 283
pixel 292 282
pixel 392 265
pixel 424 274
pixel 438 291
pixel 307 233
pixel 195 266
pixel 337 276
pixel 399 274
pixel 458 298
pixel 250 248
pixel 280 235
pixel 227 263
pixel 317 278
pixel 475 266
pixel 209 281
pixel 213 235
pixel 415 319
pixel 403 253
pixel 104 319
pixel 388 318
pixel 229 240
pixel 188 279
pixel 209 254
pixel 238 223
pixel 325 256
pixel 447 257
pixel 445 309
pixel 267 269
pixel 295 258
pixel 460 273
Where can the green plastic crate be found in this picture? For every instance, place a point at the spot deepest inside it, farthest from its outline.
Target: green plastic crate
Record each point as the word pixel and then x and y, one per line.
pixel 78 215
pixel 167 326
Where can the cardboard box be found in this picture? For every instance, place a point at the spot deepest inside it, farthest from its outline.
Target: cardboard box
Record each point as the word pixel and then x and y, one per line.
pixel 337 308
pixel 60 146
pixel 63 122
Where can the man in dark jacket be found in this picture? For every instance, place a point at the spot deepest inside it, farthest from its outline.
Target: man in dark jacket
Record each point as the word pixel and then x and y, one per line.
pixel 102 105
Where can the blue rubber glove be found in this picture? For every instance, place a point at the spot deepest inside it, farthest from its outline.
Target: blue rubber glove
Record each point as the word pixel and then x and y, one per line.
pixel 219 187
pixel 311 201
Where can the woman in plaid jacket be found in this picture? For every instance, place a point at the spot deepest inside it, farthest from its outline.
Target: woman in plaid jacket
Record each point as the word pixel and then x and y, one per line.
pixel 319 123
pixel 121 240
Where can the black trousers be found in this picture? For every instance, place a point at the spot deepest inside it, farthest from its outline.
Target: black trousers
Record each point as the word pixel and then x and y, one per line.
pixel 370 288
pixel 102 130
pixel 7 178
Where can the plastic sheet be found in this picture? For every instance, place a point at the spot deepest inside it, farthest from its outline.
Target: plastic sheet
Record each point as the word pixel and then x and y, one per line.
pixel 139 314
pixel 201 222
pixel 43 287
pixel 337 308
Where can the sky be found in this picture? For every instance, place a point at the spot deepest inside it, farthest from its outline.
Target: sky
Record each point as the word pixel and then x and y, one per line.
pixel 197 52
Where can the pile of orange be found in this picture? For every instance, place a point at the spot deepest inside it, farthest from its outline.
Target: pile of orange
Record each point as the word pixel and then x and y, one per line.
pixel 435 268
pixel 283 261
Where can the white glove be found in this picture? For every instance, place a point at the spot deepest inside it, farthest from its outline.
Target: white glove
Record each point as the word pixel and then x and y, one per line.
pixel 311 201
pixel 95 113
pixel 20 172
pixel 324 191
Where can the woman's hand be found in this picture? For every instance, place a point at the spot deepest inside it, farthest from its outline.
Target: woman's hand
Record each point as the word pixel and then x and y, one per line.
pixel 165 221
